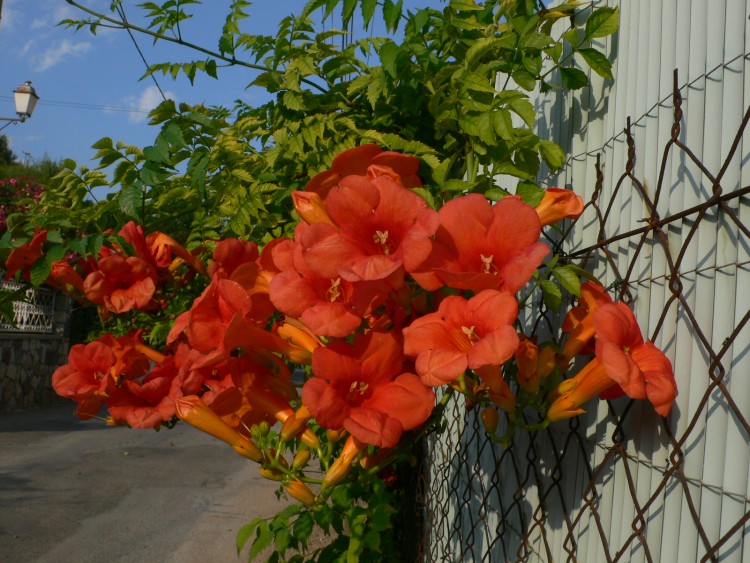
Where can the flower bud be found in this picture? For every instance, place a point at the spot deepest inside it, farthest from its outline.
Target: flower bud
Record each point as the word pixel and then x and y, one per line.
pixel 300 459
pixel 300 491
pixel 334 436
pixel 271 474
pixel 192 410
pixel 343 465
pixel 490 419
pixel 295 424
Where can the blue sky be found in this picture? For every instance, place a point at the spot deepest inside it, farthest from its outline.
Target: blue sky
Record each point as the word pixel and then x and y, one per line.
pixel 89 85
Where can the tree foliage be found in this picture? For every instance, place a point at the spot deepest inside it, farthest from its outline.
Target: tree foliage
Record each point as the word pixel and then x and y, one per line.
pixel 453 90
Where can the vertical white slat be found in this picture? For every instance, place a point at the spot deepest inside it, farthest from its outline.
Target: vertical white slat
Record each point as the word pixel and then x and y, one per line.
pixel 741 361
pixel 596 101
pixel 695 384
pixel 716 420
pixel 621 218
pixel 676 531
pixel 727 315
pixel 646 131
pixel 652 265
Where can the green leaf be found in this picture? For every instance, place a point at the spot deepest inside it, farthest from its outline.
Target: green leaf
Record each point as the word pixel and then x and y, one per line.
pixel 40 272
pixel 392 13
pixel 524 79
pixel 525 110
pixel 597 61
pixel 535 41
pixel 130 199
pixel 262 541
pixel 512 169
pixel 303 527
pixel 477 82
pixel 455 185
pixel 568 279
pixel 503 124
pixel 389 52
pixel 440 174
pixel 572 37
pixel 487 45
pixel 54 236
pixel 555 51
pixel 282 538
pixel 173 135
pixel 530 192
pixel 574 78
pixel 368 9
pixel 464 5
pixel 580 272
pixel 552 154
pixel 602 22
pixel 293 101
pixel 495 194
pixel 244 534
pixel 551 294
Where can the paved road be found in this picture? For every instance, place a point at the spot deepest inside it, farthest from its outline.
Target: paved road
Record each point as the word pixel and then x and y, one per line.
pixel 75 491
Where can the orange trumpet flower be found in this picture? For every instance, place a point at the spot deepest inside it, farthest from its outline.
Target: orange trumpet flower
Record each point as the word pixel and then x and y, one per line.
pixel 579 322
pixel 300 491
pixel 622 358
pixel 343 464
pixel 192 410
pixel 558 204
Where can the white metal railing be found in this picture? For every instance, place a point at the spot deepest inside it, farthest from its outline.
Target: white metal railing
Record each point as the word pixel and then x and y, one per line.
pixel 35 315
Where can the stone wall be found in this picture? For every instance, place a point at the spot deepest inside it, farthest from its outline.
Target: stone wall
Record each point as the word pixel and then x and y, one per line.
pixel 28 359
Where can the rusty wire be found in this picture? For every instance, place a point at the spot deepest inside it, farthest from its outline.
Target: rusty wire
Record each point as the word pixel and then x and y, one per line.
pixel 484 503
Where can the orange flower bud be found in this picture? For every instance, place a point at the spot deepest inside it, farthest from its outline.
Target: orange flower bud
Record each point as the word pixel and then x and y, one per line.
pixel 271 474
pixel 311 207
pixel 338 470
pixel 499 390
pixel 534 364
pixel 300 459
pixel 490 419
pixel 370 461
pixel 343 465
pixel 571 393
pixel 307 437
pixel 150 353
pixel 193 411
pixel 334 436
pixel 295 424
pixel 300 491
pixel 558 204
pixel 300 337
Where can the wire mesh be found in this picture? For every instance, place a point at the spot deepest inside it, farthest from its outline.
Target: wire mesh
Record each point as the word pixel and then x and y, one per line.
pixel 621 483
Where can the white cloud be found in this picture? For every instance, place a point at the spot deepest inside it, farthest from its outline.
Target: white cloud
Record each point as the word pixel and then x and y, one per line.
pixel 10 15
pixel 148 100
pixel 57 52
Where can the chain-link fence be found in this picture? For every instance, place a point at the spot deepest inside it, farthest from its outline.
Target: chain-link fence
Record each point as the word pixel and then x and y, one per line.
pixel 620 483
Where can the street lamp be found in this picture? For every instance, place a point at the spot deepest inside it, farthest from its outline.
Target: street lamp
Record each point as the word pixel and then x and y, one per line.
pixel 26 98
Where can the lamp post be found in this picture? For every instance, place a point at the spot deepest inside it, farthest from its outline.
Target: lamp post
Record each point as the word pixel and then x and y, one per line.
pixel 26 98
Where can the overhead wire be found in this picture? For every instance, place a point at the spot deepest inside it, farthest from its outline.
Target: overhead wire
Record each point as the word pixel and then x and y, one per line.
pixel 83 105
pixel 121 12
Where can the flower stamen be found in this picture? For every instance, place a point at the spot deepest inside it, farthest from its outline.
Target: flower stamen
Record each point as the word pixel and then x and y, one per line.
pixel 469 331
pixel 486 263
pixel 381 238
pixel 334 292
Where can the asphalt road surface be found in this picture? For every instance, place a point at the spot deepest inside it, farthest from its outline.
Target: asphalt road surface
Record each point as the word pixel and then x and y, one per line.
pixel 79 491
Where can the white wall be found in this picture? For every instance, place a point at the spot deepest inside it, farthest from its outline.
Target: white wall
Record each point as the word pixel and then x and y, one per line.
pixel 625 484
